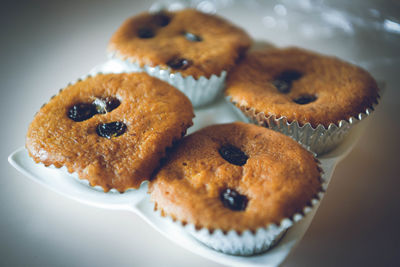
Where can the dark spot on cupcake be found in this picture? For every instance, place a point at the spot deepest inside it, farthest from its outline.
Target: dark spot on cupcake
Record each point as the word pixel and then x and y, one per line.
pixel 305 99
pixel 145 33
pixel 81 112
pixel 232 200
pixel 110 130
pixel 161 19
pixel 179 63
pixel 192 37
pixel 283 82
pixel 282 86
pixel 104 105
pixel 233 155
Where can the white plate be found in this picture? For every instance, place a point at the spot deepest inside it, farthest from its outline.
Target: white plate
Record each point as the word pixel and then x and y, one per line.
pixel 60 181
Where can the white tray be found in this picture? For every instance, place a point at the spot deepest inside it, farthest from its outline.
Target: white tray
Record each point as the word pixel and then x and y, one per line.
pixel 137 201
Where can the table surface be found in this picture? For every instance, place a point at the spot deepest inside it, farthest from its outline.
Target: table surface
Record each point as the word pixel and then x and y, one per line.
pixel 46 44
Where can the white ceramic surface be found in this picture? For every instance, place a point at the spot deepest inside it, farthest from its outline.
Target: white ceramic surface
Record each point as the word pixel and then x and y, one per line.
pixel 60 181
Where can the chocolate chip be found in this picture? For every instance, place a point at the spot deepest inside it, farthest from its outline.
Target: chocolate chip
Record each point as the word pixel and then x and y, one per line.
pixel 192 37
pixel 145 33
pixel 305 99
pixel 283 82
pixel 161 19
pixel 233 155
pixel 179 63
pixel 112 129
pixel 104 105
pixel 81 112
pixel 233 200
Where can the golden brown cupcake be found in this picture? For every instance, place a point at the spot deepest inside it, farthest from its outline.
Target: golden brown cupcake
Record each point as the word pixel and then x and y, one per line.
pixel 195 47
pixel 236 177
pixel 110 129
pixel 312 97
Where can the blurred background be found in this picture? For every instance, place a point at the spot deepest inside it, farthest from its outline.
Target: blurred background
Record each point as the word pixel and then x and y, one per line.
pixel 46 44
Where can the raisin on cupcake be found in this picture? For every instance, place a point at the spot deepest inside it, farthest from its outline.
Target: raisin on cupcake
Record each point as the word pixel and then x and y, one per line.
pixel 312 97
pixel 189 49
pixel 236 183
pixel 110 129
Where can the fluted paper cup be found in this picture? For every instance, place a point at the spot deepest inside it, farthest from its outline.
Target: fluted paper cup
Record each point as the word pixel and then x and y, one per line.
pixel 200 92
pixel 319 139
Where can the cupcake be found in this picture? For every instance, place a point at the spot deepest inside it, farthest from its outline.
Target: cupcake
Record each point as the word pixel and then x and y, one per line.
pixel 237 187
pixel 313 98
pixel 189 49
pixel 110 129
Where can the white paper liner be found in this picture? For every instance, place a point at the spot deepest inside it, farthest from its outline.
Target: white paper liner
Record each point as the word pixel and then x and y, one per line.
pixel 200 92
pixel 86 182
pixel 248 242
pixel 320 139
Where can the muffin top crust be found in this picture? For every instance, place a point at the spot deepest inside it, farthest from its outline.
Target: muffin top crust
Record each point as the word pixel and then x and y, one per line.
pixel 235 177
pixel 188 41
pixel 110 129
pixel 302 86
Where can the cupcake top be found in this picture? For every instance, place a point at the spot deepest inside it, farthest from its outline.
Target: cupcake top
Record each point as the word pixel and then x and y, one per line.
pixel 235 177
pixel 186 41
pixel 110 129
pixel 302 86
